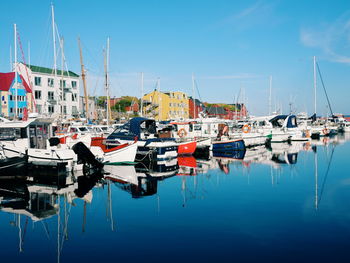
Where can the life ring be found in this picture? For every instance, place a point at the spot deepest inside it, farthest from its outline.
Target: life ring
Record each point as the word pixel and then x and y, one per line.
pixel 325 131
pixel 246 128
pixel 182 132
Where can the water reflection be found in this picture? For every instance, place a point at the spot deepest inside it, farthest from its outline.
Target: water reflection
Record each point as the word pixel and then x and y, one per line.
pixel 49 199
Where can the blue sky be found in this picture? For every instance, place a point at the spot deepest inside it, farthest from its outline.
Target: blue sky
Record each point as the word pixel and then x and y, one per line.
pixel 228 45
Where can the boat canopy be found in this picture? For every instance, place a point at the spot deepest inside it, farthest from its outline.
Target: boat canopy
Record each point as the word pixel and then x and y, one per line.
pixel 285 121
pixel 135 127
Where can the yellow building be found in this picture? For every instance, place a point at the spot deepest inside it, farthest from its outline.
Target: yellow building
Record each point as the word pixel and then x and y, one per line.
pixel 165 105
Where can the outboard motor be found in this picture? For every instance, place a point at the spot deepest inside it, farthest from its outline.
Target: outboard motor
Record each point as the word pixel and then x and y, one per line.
pixel 54 141
pixel 86 157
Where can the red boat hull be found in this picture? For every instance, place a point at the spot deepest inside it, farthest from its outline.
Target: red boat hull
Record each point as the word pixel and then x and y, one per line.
pixel 186 148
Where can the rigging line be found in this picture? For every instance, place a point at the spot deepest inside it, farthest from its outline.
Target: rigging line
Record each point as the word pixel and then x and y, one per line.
pixel 326 175
pixel 26 68
pixel 196 85
pixel 44 224
pixel 324 88
pixel 94 58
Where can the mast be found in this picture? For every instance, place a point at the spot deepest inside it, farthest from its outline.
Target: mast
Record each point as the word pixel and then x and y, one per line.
pixel 15 70
pixel 270 101
pixel 84 82
pixel 11 62
pixel 62 79
pixel 107 83
pixel 54 49
pixel 315 84
pixel 141 94
pixel 29 52
pixel 159 101
pixel 194 97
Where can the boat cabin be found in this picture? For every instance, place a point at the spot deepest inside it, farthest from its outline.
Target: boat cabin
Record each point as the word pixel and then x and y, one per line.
pixel 34 133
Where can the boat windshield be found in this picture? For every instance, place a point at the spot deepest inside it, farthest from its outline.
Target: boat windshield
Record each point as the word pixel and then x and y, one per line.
pixel 83 129
pixel 12 133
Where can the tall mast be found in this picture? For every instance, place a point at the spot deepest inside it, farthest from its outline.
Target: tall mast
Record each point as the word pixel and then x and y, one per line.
pixel 54 49
pixel 11 62
pixel 15 70
pixel 62 79
pixel 315 84
pixel 159 101
pixel 107 83
pixel 194 97
pixel 270 101
pixel 84 82
pixel 29 52
pixel 141 94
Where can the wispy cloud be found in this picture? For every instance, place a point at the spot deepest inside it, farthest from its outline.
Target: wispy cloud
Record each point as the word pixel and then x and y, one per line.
pixel 332 39
pixel 248 17
pixel 258 6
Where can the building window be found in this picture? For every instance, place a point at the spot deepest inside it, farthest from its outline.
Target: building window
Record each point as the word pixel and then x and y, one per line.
pixel 74 97
pixel 37 81
pixel 74 110
pixel 50 95
pixel 38 108
pixel 50 82
pixel 62 83
pixel 64 109
pixel 37 94
pixel 74 84
pixel 50 108
pixel 64 96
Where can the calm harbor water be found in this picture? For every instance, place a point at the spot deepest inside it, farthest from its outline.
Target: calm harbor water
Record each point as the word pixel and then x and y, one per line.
pixel 286 204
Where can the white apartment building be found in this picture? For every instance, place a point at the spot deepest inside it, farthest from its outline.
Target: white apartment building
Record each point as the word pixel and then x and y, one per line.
pixel 53 96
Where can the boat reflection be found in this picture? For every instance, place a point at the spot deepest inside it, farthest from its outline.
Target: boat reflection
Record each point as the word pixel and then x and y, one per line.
pixel 141 180
pixel 40 198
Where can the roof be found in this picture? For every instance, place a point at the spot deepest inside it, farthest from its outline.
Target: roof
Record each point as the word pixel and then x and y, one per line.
pixel 6 81
pixel 216 110
pixel 51 71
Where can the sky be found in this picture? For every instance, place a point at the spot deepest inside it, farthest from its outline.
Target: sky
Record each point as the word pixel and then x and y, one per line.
pixel 231 47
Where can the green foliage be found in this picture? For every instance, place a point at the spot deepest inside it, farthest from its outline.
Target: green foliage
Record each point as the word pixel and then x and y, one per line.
pixel 101 101
pixel 125 101
pixel 120 105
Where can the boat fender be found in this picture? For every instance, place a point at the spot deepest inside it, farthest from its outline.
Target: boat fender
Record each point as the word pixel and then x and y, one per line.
pixel 246 128
pixel 225 131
